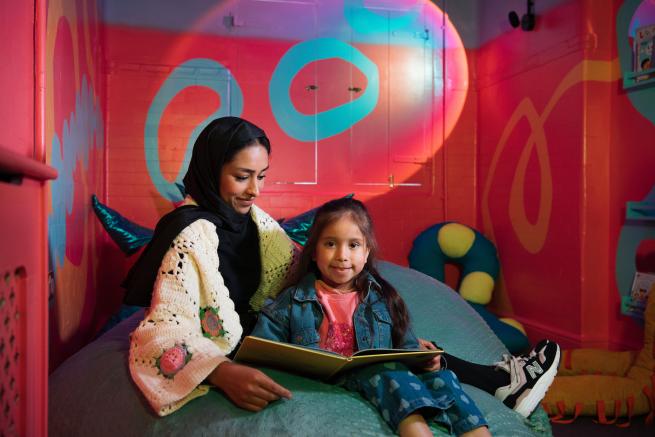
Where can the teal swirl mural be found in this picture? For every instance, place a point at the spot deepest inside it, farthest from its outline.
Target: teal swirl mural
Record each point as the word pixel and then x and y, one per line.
pixel 332 121
pixel 366 21
pixel 83 131
pixel 208 73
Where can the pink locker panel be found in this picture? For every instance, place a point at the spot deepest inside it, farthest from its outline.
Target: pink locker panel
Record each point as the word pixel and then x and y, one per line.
pixel 23 296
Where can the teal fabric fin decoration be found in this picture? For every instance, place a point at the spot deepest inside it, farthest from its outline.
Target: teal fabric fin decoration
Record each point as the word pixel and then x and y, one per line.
pixel 129 236
pixel 297 228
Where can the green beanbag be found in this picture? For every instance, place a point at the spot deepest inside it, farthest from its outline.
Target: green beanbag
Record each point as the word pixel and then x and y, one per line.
pixel 91 393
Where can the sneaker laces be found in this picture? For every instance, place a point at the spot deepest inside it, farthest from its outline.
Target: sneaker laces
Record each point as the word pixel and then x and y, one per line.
pixel 511 362
pixel 511 365
pixel 514 366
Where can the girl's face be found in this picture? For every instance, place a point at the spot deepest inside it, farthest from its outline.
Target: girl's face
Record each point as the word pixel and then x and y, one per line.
pixel 243 177
pixel 341 253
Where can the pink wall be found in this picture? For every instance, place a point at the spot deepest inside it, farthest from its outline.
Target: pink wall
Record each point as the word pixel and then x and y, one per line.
pixel 560 154
pixel 16 77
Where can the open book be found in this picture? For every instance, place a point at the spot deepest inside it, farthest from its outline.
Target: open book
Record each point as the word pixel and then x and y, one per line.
pixel 318 363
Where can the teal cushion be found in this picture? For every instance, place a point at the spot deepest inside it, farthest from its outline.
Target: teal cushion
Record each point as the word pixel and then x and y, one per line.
pixel 91 393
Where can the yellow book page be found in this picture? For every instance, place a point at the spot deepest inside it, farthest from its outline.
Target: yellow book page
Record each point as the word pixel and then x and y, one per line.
pixel 286 356
pixel 408 357
pixel 318 363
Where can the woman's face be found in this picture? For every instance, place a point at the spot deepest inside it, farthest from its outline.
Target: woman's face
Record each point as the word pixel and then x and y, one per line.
pixel 243 177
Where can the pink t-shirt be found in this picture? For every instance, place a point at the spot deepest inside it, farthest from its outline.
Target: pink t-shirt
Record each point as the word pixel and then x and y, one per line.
pixel 336 331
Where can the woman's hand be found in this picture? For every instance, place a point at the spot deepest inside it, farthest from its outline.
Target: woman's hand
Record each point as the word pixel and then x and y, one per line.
pixel 435 363
pixel 247 387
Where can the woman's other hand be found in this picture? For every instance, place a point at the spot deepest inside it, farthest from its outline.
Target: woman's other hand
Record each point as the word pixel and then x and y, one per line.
pixel 435 363
pixel 247 387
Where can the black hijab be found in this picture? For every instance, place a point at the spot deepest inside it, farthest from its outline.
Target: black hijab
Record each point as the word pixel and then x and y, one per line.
pixel 238 250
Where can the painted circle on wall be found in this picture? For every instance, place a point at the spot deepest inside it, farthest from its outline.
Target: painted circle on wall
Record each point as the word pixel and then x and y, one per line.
pixel 325 124
pixel 429 79
pixel 215 77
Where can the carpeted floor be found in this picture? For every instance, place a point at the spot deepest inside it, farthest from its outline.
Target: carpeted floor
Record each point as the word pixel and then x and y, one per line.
pixel 585 426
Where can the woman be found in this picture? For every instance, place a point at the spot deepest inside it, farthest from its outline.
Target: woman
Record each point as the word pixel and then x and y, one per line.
pixel 213 263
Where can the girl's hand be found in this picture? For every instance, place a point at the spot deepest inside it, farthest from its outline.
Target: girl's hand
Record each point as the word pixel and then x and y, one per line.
pixel 435 363
pixel 247 387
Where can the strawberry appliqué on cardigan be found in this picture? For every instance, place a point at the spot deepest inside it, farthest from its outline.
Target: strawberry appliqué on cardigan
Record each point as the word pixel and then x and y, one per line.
pixel 172 360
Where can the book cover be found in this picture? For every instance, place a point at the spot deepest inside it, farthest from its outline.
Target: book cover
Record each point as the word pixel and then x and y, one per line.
pixel 634 305
pixel 644 50
pixel 319 363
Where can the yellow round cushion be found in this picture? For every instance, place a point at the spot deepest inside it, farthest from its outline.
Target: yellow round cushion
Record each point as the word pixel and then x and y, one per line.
pixel 477 287
pixel 455 240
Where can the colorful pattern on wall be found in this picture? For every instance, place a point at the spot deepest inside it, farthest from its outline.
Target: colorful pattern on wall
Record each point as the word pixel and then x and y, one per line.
pixel 74 135
pixel 557 166
pixel 531 233
pixel 359 81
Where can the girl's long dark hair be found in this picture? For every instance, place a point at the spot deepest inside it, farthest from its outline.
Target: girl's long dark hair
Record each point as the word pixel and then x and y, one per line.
pixel 333 211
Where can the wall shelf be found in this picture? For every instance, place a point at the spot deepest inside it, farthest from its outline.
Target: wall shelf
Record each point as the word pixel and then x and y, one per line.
pixel 640 211
pixel 646 78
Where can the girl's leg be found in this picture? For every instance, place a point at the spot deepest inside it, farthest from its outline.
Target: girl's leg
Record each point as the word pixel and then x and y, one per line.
pixel 396 392
pixel 486 378
pixel 483 431
pixel 464 415
pixel 520 382
pixel 414 425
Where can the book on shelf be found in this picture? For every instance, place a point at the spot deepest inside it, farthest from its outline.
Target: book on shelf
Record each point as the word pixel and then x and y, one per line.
pixel 644 49
pixel 634 304
pixel 319 363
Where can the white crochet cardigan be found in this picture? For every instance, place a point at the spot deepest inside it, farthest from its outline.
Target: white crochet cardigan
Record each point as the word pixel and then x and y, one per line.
pixel 170 352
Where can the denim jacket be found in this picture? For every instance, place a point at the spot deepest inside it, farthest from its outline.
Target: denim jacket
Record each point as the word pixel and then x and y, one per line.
pixel 296 315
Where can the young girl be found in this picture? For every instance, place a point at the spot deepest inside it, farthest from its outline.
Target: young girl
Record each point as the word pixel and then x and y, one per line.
pixel 342 304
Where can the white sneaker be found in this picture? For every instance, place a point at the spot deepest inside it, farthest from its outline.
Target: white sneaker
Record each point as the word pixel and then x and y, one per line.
pixel 530 377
